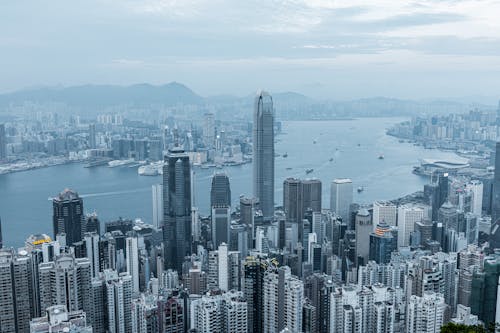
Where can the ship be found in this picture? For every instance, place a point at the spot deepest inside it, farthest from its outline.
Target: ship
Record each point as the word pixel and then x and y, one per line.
pixel 153 169
pixel 97 162
pixel 308 171
pixel 118 163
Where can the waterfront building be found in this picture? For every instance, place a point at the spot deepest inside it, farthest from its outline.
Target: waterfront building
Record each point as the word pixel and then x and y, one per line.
pixel 263 153
pixel 68 216
pixel 177 208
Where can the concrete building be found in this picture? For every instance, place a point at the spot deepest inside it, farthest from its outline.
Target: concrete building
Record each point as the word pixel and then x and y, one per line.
pixel 16 292
pixel 157 193
pixel 408 215
pixel 177 208
pixel 282 301
pixel 68 217
pixel 263 153
pixel 341 197
pixel 59 319
pixel 219 313
pixel 384 211
pixel 425 314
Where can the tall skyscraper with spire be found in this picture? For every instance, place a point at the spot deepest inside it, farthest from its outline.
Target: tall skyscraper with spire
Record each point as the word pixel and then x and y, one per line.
pixel 3 143
pixel 176 207
pixel 263 153
pixel 495 202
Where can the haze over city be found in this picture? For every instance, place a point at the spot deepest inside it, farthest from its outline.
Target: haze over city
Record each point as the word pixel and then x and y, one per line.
pixel 325 49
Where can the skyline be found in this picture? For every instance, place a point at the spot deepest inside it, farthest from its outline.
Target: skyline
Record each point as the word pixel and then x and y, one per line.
pixel 325 49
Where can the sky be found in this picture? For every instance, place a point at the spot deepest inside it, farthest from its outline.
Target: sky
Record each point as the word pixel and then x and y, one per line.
pixel 337 49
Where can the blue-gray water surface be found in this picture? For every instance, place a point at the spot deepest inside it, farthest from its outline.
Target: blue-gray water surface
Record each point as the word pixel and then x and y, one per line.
pixel 354 146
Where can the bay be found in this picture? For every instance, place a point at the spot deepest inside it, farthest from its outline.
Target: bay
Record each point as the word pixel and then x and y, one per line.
pixel 354 145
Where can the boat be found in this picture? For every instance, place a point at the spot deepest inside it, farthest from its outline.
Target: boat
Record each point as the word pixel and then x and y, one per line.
pixel 118 163
pixel 361 189
pixel 285 155
pixel 289 168
pixel 331 159
pixel 381 156
pixel 148 170
pixel 308 171
pixel 152 169
pixel 314 141
pixel 96 163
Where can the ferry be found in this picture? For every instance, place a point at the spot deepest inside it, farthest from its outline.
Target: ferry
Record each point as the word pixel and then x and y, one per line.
pixel 153 169
pixel 118 163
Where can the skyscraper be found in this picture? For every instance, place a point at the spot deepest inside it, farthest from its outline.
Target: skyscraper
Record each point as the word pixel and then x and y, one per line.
pixel 3 143
pixel 68 216
pixel 341 197
pixel 283 299
pixel 157 192
pixel 384 211
pixel 209 130
pixel 254 270
pixel 132 248
pixel 66 281
pixel 299 196
pixel 495 203
pixel 263 153
pixel 16 293
pixel 408 215
pixel 383 241
pixel 426 314
pixel 92 136
pixel 176 207
pixel 220 193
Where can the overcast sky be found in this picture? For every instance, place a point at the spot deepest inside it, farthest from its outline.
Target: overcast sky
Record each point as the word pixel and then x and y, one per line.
pixel 338 49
